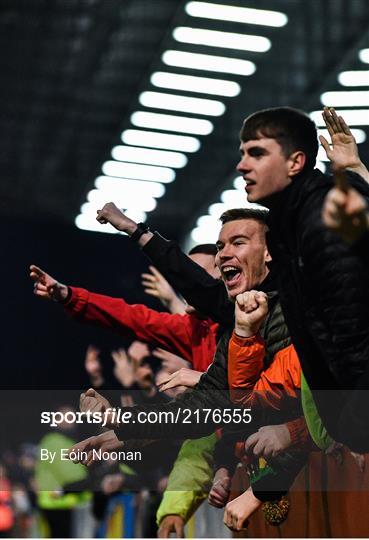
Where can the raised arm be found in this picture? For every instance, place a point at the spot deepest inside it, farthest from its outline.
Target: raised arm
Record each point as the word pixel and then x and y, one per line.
pixel 206 294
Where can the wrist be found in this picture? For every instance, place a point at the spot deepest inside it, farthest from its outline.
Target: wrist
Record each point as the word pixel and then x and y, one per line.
pixel 244 331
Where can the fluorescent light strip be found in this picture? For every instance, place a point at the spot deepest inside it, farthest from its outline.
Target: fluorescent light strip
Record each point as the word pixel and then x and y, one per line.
pixel 225 40
pixel 354 78
pixel 190 83
pixel 154 139
pixel 102 196
pixel 359 134
pixel 208 62
pixel 205 235
pixel 159 100
pixel 351 98
pixel 150 157
pixel 364 55
pixel 172 123
pixel 358 117
pixel 90 209
pixel 221 12
pixel 133 188
pixel 139 172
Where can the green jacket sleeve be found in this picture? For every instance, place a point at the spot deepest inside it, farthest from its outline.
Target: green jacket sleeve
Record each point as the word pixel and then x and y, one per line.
pixel 316 428
pixel 190 479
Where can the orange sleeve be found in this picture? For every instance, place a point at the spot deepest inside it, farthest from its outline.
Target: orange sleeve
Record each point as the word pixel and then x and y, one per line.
pixel 280 382
pixel 245 362
pixel 299 433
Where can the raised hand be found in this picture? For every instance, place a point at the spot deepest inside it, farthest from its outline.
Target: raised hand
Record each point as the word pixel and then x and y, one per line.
pixel 171 524
pixel 221 488
pixel 269 441
pixel 342 152
pixel 138 351
pixel 46 286
pixel 156 285
pixel 251 308
pixel 184 377
pixel 169 361
pixel 110 213
pixel 93 366
pixel 93 401
pixel 124 368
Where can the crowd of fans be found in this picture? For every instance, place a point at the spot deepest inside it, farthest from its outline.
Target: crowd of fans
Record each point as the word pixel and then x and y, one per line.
pixel 267 353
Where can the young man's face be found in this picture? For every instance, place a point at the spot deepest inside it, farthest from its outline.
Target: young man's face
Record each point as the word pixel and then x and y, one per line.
pixel 264 168
pixel 242 255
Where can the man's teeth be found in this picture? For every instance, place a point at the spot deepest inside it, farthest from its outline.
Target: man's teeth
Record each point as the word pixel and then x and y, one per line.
pixel 230 272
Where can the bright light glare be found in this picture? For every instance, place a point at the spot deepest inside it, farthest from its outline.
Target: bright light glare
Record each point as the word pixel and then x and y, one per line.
pixel 358 98
pixel 358 117
pixel 160 140
pixel 158 100
pixel 207 221
pixel 90 209
pixel 102 196
pixel 226 40
pixel 150 157
pixel 132 188
pixel 172 123
pixel 208 62
pixel 233 197
pixel 223 12
pixel 239 183
pixel 88 222
pixel 354 78
pixel 190 83
pixel 204 235
pixel 321 166
pixel 139 172
pixel 216 210
pixel 364 55
pixel 359 134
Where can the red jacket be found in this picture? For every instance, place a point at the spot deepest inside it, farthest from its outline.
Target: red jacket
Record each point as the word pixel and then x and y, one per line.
pixel 188 336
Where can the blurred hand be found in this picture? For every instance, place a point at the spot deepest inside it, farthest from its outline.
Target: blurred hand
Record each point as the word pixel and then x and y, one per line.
pixel 106 442
pixel 170 362
pixel 171 524
pixel 221 488
pixel 184 377
pixel 346 213
pixel 124 368
pixel 156 285
pixel 360 460
pixel 251 308
pixel 111 483
pixel 268 441
pixel 138 351
pixel 94 402
pixel 46 286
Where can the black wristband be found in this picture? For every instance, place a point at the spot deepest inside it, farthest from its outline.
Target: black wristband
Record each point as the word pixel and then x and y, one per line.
pixel 141 229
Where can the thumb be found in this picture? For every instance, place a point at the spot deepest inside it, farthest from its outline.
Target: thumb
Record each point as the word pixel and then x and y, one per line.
pixel 91 392
pixel 325 144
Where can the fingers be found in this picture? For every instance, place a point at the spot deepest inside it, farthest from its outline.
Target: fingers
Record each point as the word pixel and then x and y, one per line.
pixel 251 441
pixel 249 301
pixel 156 272
pixel 344 127
pixel 325 144
pixel 179 530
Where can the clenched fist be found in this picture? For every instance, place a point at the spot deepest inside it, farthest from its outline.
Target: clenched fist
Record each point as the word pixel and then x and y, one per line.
pixel 251 308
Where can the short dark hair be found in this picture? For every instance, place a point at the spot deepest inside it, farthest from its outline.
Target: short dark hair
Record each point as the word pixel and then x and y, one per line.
pixel 244 213
pixel 291 128
pixel 207 249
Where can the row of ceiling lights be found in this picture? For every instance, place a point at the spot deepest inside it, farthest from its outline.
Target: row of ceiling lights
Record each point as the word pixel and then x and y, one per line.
pixel 139 169
pixel 208 226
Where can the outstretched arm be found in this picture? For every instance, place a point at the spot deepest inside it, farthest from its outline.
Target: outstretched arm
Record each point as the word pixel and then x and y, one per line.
pixel 206 294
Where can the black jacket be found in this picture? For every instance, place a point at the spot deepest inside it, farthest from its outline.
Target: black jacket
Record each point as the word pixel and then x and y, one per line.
pixel 324 293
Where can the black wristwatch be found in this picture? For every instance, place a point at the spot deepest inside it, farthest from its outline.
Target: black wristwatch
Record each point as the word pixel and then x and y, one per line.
pixel 142 228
